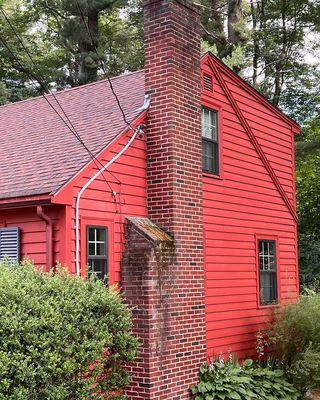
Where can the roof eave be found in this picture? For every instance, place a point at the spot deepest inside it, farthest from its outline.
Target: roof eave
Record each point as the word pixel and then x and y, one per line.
pixel 25 201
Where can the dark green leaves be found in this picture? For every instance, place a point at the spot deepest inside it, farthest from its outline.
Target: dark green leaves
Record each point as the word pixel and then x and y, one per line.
pixel 61 337
pixel 229 380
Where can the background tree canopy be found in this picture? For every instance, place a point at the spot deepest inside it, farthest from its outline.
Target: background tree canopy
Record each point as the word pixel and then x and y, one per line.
pixel 273 44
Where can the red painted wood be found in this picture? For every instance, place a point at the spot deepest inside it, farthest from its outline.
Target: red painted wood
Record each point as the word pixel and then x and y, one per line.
pixel 249 202
pixel 242 203
pixel 127 178
pixel 33 231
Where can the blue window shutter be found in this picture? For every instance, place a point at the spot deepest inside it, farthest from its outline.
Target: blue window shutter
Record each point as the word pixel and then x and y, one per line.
pixel 10 243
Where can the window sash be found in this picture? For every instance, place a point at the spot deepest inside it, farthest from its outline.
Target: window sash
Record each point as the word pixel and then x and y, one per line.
pixel 209 124
pixel 99 257
pixel 210 141
pixel 267 264
pixel 210 156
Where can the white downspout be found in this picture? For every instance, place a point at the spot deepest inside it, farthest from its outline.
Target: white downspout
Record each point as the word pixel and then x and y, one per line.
pixel 137 130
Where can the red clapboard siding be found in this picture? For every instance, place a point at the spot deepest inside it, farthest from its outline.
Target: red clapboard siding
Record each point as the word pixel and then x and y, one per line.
pixel 33 232
pixel 242 204
pixel 127 178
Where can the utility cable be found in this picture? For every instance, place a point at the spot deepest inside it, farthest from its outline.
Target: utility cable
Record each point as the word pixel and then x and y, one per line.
pixel 102 64
pixel 47 90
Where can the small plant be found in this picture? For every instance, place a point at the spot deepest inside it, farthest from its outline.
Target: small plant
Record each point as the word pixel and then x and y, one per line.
pixel 230 380
pixel 61 337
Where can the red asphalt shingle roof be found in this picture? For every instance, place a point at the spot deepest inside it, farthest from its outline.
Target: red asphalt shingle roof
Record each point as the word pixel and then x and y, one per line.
pixel 38 154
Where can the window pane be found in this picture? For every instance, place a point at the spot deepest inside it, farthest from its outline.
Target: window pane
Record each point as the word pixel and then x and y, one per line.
pixel 101 234
pixel 268 272
pixel 101 249
pixel 98 268
pixel 209 124
pixel 91 234
pixel 92 251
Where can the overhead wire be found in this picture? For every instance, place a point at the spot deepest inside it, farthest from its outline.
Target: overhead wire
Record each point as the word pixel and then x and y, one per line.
pixel 102 63
pixel 114 93
pixel 47 90
pixel 71 127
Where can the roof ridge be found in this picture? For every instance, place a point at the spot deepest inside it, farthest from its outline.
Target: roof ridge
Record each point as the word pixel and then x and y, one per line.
pixel 58 93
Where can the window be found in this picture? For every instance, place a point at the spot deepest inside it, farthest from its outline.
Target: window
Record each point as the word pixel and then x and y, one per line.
pixel 10 243
pixel 97 251
pixel 268 272
pixel 210 136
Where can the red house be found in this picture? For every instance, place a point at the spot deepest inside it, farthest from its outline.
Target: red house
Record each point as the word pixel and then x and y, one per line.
pixel 188 202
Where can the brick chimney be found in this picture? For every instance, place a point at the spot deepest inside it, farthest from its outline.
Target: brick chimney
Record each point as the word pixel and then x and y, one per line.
pixel 163 275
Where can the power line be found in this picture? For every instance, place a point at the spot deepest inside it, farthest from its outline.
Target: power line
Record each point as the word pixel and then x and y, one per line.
pixel 102 64
pixel 112 89
pixel 47 90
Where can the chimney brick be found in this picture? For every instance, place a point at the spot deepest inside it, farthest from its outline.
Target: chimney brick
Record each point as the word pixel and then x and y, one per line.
pixel 169 301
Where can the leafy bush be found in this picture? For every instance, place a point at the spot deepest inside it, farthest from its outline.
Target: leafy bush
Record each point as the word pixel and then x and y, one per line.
pixel 61 337
pixel 309 262
pixel 231 381
pixel 296 338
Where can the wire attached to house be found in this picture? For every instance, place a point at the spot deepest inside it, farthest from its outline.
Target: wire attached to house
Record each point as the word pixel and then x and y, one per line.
pixel 47 90
pixel 102 64
pixel 34 78
pixel 84 188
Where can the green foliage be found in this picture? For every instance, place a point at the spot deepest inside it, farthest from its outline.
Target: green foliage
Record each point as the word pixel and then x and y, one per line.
pixel 230 380
pixel 296 339
pixel 308 200
pixel 309 262
pixel 62 49
pixel 61 337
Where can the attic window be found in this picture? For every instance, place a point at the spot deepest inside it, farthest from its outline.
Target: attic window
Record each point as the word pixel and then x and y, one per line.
pixel 207 82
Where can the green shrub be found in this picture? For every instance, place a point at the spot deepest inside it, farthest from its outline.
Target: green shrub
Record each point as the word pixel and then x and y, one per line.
pixel 296 340
pixel 231 381
pixel 61 337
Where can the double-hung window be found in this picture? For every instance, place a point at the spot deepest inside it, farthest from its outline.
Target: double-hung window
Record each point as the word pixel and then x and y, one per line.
pixel 268 272
pixel 210 141
pixel 97 251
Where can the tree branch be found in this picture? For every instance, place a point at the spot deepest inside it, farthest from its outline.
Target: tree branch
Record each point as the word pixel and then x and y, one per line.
pixel 52 9
pixel 212 35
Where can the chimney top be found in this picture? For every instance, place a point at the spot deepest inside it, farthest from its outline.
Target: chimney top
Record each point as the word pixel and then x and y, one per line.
pixel 186 3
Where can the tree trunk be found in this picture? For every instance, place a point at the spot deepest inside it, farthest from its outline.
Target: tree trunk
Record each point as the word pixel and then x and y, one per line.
pixel 255 58
pixel 218 26
pixel 89 60
pixel 234 18
pixel 279 70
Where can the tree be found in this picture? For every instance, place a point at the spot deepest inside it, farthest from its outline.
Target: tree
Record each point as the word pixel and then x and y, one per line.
pixel 269 35
pixel 278 41
pixel 308 202
pixel 224 27
pixel 62 38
